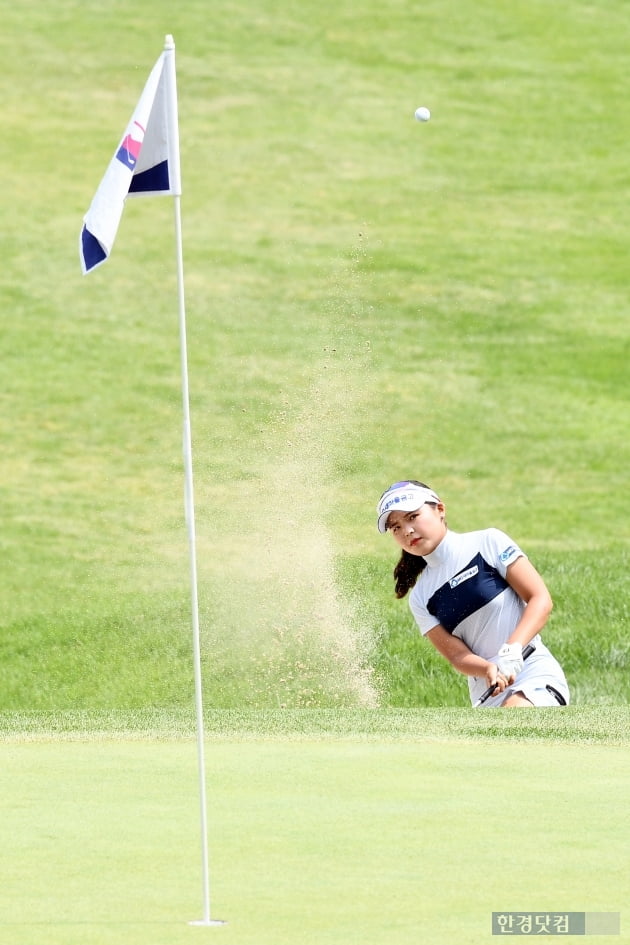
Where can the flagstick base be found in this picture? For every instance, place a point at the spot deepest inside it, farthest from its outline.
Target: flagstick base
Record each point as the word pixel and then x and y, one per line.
pixel 208 922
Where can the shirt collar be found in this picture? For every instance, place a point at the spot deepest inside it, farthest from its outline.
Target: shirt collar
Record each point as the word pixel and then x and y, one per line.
pixel 440 554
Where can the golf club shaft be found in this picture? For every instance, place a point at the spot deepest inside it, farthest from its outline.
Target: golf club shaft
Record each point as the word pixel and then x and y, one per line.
pixel 527 651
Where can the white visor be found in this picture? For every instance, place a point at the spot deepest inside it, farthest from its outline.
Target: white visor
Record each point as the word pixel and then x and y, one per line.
pixel 403 497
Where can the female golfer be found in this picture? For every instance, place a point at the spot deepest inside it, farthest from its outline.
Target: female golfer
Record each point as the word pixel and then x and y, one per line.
pixel 476 597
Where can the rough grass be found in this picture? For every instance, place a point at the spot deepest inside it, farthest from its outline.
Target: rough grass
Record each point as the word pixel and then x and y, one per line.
pixel 368 298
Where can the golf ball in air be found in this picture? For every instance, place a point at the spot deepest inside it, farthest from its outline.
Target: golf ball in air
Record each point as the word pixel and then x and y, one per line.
pixel 422 113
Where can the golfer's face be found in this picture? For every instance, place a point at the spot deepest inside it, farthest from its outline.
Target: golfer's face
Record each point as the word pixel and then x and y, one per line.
pixel 418 532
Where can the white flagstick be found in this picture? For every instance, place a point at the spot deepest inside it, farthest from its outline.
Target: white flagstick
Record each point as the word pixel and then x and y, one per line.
pixel 189 499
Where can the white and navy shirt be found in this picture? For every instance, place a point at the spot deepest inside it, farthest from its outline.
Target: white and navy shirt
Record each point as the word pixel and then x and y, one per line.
pixel 464 589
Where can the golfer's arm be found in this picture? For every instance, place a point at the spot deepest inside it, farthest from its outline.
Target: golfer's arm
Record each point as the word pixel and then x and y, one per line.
pixel 457 653
pixel 523 578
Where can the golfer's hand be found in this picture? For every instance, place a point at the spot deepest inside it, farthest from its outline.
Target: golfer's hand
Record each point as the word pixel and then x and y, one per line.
pixel 510 660
pixel 494 677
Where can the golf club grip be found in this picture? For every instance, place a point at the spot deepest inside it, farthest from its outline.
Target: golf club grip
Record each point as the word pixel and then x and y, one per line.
pixel 527 651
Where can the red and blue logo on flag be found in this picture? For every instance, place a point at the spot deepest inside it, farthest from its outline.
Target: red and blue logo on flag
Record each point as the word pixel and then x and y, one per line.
pixel 129 150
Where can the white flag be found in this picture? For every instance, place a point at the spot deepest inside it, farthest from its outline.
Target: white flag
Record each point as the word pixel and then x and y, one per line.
pixel 146 161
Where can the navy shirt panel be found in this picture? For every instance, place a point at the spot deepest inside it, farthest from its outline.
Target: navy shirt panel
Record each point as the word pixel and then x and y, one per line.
pixel 474 586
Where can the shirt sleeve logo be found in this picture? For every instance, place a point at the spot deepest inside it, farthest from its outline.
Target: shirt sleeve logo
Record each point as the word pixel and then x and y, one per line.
pixel 508 553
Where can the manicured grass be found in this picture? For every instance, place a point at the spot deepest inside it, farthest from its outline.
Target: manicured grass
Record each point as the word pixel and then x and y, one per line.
pixel 328 837
pixel 607 724
pixel 368 298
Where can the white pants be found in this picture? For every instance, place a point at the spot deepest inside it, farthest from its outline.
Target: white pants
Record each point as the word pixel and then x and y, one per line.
pixel 539 672
pixel 540 694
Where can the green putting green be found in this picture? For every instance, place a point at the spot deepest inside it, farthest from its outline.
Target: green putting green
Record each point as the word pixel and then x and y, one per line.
pixel 325 839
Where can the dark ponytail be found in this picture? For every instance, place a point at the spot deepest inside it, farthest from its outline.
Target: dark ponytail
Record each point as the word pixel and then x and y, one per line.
pixel 409 567
pixel 406 572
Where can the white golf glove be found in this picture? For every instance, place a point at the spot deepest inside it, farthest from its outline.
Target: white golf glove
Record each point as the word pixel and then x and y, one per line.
pixel 510 659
